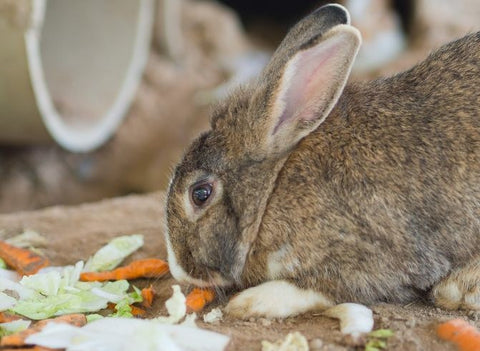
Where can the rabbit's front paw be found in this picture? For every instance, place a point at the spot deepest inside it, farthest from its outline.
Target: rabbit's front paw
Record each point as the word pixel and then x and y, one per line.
pixel 460 289
pixel 275 299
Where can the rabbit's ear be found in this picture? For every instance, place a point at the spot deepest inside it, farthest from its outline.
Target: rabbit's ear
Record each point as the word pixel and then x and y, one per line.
pixel 305 78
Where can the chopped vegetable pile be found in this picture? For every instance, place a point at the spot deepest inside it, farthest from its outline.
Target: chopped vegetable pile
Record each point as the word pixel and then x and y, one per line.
pixel 65 301
pixel 44 292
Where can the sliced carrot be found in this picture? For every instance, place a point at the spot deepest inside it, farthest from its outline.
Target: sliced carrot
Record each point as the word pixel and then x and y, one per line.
pixel 24 261
pixel 18 339
pixel 147 295
pixel 198 298
pixel 27 348
pixel 8 317
pixel 146 268
pixel 460 332
pixel 137 311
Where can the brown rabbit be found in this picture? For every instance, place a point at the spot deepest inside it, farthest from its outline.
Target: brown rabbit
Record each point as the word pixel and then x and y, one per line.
pixel 310 193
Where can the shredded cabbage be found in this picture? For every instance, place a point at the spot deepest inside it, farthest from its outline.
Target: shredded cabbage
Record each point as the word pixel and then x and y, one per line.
pixel 58 292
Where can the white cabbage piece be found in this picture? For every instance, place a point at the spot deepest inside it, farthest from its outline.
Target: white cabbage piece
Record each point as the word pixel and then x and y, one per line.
pixel 46 284
pixel 9 274
pixel 215 315
pixel 112 254
pixel 176 307
pixel 121 334
pixel 6 301
pixel 190 320
pixel 12 286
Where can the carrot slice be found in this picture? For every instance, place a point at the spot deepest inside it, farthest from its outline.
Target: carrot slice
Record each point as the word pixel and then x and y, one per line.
pixel 137 311
pixel 18 339
pixel 146 268
pixel 198 298
pixel 460 332
pixel 147 295
pixel 27 348
pixel 24 261
pixel 8 317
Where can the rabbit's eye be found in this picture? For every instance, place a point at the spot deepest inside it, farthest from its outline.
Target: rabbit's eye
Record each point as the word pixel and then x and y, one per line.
pixel 201 193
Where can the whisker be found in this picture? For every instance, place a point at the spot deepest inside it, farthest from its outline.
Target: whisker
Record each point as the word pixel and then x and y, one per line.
pixel 221 293
pixel 219 290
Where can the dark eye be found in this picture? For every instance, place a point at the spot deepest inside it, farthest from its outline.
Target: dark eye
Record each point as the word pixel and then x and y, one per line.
pixel 201 193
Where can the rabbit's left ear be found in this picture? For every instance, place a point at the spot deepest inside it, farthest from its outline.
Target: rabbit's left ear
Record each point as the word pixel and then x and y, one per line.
pixel 300 90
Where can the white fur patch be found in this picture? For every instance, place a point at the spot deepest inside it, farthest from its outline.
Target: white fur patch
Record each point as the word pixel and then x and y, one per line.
pixel 472 299
pixel 278 263
pixel 448 295
pixel 275 299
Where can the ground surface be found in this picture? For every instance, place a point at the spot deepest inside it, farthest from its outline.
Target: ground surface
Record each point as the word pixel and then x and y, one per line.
pixel 74 233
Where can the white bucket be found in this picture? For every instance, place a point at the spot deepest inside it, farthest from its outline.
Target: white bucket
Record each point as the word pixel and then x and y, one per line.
pixel 71 73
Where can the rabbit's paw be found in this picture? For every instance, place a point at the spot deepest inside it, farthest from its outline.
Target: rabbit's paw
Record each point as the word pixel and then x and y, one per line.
pixel 460 289
pixel 275 299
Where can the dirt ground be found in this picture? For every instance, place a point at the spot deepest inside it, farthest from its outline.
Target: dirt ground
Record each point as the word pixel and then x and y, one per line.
pixel 74 233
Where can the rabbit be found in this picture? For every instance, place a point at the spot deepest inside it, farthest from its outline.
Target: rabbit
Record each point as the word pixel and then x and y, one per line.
pixel 309 192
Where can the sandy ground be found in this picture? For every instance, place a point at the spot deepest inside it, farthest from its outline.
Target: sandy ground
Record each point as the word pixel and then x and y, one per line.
pixel 74 233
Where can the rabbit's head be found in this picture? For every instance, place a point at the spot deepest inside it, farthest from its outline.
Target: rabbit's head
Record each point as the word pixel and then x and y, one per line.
pixel 221 188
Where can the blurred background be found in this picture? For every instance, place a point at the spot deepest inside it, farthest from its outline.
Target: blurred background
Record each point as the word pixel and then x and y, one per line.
pixel 130 83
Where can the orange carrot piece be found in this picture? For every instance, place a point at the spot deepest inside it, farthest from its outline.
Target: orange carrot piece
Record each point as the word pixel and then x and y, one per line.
pixel 27 348
pixel 147 295
pixel 137 311
pixel 18 339
pixel 198 298
pixel 460 332
pixel 8 317
pixel 24 261
pixel 146 268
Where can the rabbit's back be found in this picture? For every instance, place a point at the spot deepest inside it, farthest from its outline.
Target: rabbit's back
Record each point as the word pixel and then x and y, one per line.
pixel 393 172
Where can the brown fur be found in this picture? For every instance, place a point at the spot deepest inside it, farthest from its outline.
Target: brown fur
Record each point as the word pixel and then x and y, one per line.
pixel 379 203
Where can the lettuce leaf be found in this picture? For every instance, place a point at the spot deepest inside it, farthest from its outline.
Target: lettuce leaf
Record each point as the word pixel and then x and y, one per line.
pixel 112 254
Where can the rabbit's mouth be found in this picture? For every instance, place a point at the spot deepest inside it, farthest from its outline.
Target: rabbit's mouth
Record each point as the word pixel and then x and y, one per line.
pixel 215 279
